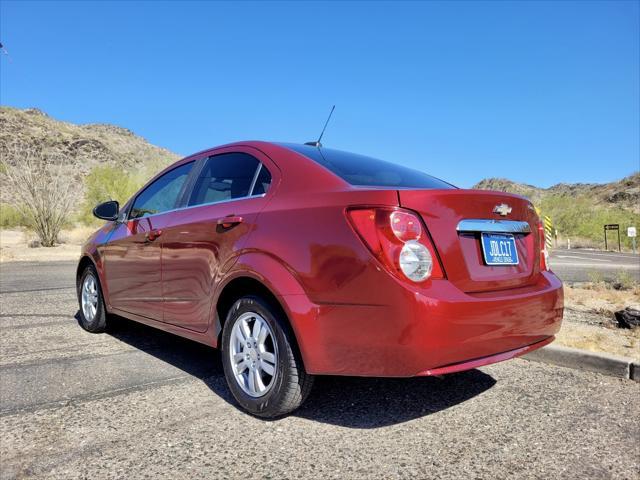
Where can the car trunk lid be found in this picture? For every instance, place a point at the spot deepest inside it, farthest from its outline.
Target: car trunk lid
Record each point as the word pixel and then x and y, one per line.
pixel 457 218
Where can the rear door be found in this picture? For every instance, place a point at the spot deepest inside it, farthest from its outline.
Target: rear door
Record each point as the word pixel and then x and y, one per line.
pixel 133 252
pixel 456 220
pixel 203 239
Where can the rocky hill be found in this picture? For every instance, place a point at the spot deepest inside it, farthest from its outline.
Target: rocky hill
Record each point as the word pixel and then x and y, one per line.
pixel 623 194
pixel 82 146
pixel 580 210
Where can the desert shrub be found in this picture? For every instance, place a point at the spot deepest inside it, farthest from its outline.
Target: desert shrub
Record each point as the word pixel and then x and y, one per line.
pixel 107 183
pixel 12 216
pixel 624 280
pixel 595 277
pixel 42 187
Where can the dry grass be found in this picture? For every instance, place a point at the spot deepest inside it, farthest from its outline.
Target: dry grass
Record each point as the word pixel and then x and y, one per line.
pixel 600 298
pixel 593 338
pixel 77 235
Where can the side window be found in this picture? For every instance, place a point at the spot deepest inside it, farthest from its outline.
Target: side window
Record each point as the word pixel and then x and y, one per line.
pixel 263 182
pixel 224 177
pixel 161 195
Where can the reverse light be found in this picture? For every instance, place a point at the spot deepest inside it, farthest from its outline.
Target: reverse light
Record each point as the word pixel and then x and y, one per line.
pixel 398 239
pixel 415 261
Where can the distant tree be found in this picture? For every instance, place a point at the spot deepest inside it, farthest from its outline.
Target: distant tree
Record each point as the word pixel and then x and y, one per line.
pixel 42 188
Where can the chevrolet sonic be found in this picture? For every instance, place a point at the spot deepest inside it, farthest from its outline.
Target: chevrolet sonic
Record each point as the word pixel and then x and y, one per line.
pixel 299 260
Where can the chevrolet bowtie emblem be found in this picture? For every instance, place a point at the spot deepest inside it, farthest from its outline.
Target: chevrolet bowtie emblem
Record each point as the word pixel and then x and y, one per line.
pixel 502 209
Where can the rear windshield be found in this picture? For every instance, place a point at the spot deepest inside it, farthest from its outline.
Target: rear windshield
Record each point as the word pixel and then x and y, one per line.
pixel 367 171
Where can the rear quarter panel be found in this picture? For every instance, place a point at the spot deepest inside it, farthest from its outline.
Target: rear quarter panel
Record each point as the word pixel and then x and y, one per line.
pixel 310 236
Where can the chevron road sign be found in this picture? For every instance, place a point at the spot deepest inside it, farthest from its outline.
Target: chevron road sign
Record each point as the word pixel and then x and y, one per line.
pixel 548 231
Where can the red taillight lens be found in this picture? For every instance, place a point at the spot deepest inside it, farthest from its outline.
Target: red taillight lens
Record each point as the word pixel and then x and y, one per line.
pixel 405 226
pixel 398 240
pixel 544 255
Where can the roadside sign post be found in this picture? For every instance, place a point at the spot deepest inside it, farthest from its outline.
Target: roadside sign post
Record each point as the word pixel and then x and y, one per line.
pixel 631 233
pixel 616 228
pixel 548 229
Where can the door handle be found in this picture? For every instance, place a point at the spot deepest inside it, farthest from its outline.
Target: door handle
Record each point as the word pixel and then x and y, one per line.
pixel 230 220
pixel 152 235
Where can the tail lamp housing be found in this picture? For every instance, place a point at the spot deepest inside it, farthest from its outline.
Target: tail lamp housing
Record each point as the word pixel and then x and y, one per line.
pixel 399 240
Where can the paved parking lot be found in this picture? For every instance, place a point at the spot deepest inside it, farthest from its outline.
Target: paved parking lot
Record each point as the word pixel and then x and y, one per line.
pixel 138 403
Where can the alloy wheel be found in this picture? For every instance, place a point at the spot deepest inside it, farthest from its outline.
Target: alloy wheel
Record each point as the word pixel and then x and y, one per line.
pixel 254 354
pixel 89 297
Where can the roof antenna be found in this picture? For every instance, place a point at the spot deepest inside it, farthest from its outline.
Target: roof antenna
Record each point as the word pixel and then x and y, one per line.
pixel 3 51
pixel 317 143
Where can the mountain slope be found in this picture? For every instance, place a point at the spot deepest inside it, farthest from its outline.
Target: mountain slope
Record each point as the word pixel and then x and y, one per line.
pixel 82 146
pixel 623 194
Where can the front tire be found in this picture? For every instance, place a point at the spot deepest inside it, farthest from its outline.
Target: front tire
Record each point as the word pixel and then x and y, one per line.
pixel 93 316
pixel 261 364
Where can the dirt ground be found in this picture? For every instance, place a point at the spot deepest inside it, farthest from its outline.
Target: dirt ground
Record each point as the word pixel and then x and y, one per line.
pixel 14 246
pixel 604 338
pixel 589 321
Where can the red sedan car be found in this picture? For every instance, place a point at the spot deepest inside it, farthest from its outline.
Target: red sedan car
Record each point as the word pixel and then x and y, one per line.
pixel 299 260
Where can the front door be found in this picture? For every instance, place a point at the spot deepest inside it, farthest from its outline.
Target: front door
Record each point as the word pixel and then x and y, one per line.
pixel 132 256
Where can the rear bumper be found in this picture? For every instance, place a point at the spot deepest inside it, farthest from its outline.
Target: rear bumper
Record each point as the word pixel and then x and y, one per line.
pixel 428 332
pixel 481 362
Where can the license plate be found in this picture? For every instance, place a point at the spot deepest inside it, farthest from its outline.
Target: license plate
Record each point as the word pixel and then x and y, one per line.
pixel 499 249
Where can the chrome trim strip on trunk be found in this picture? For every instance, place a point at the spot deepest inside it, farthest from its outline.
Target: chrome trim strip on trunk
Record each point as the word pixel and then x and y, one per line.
pixel 495 226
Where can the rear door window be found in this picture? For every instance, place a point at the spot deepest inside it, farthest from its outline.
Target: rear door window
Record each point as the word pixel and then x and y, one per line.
pixel 224 177
pixel 263 182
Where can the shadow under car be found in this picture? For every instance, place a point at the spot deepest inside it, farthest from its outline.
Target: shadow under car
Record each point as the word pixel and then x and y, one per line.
pixel 352 402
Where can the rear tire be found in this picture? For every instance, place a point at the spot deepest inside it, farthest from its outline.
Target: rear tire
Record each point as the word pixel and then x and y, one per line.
pixel 93 315
pixel 261 363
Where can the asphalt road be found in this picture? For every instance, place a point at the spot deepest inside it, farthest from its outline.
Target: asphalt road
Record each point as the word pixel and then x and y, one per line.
pixel 138 403
pixel 584 265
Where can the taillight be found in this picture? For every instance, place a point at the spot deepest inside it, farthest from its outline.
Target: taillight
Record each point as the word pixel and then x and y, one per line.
pixel 544 254
pixel 398 240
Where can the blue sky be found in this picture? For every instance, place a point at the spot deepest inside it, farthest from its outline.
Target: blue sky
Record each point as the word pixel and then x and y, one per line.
pixel 539 92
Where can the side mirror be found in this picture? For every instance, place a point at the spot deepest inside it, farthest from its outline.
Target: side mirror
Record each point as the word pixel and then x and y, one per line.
pixel 107 210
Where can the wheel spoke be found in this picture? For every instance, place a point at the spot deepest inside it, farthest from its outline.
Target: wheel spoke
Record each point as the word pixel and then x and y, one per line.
pixel 267 368
pixel 260 386
pixel 252 381
pixel 238 357
pixel 269 357
pixel 241 367
pixel 263 335
pixel 244 326
pixel 240 336
pixel 257 328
